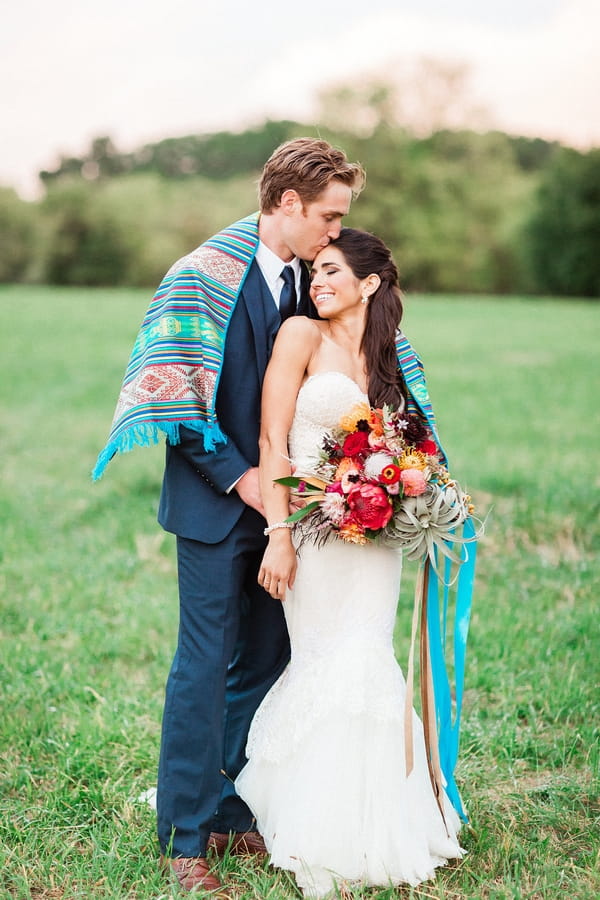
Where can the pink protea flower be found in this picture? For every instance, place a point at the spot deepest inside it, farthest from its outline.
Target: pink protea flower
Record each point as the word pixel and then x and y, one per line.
pixel 413 482
pixel 370 505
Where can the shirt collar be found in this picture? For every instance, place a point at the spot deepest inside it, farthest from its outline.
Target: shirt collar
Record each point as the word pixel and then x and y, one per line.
pixel 271 266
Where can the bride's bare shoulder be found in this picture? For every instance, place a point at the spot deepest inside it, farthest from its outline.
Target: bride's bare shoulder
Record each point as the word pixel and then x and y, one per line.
pixel 300 328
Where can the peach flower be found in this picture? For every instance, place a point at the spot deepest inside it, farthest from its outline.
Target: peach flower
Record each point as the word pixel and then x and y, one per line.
pixel 413 482
pixel 376 422
pixel 345 474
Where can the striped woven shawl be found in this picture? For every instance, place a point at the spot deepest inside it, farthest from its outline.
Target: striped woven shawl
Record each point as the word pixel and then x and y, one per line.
pixel 173 372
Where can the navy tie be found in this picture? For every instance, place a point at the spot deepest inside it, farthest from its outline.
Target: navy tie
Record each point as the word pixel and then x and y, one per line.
pixel 287 298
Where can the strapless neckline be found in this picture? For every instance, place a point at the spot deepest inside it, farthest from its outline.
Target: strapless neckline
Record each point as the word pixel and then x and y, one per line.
pixel 335 373
pixel 322 400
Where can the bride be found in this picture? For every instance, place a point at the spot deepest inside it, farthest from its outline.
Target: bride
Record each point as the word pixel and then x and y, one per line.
pixel 326 772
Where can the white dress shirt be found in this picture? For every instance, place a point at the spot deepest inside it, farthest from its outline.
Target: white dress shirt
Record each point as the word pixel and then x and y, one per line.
pixel 271 267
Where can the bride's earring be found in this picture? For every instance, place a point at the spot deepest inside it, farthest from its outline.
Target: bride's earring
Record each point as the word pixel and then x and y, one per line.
pixel 364 299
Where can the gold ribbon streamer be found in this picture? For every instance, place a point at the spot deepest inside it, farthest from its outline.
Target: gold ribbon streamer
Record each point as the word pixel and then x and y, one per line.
pixel 427 694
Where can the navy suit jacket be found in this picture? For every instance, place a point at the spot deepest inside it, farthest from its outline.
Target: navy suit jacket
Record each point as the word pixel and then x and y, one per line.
pixel 194 503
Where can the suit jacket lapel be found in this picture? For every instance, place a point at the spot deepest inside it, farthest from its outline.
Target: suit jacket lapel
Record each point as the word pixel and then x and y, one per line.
pixel 263 315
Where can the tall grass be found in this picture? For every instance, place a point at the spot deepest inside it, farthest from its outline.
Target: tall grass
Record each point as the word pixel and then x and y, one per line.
pixel 89 603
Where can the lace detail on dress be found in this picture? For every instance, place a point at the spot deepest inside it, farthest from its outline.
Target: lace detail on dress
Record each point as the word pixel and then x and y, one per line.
pixel 322 400
pixel 342 648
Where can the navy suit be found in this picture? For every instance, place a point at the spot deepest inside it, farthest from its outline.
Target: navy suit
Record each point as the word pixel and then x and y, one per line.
pixel 232 642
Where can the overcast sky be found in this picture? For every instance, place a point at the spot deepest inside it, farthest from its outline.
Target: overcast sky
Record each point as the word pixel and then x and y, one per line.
pixel 139 70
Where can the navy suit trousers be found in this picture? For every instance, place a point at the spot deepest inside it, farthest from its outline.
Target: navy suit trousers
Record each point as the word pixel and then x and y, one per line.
pixel 233 644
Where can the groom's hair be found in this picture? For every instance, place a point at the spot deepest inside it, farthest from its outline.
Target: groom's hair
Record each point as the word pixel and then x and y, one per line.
pixel 306 165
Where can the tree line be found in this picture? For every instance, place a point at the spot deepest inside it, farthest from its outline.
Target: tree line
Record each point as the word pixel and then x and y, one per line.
pixel 463 211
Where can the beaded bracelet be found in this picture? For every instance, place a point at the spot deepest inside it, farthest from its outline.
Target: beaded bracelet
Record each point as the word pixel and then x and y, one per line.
pixel 277 525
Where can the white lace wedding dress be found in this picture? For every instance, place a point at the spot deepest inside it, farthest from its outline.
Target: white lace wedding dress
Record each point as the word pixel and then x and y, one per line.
pixel 326 772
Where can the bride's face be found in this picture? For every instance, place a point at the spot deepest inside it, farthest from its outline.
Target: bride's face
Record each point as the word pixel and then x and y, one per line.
pixel 333 286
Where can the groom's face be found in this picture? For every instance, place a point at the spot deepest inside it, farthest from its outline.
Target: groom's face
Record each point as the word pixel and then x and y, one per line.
pixel 310 227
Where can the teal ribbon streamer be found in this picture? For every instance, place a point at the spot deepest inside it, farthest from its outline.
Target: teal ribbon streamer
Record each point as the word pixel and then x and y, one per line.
pixel 449 726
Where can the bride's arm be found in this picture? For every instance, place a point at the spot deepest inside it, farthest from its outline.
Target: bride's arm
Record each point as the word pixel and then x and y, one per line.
pixel 296 342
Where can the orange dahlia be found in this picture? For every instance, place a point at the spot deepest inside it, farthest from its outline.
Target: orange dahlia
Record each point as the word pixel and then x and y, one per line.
pixel 352 533
pixel 357 413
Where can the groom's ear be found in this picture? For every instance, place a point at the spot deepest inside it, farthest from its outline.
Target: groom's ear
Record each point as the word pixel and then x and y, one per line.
pixel 290 202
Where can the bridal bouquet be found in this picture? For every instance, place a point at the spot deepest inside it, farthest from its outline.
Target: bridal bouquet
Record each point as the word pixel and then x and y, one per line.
pixel 379 476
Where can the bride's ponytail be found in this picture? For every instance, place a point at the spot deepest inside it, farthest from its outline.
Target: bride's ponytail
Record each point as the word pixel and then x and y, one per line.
pixel 367 254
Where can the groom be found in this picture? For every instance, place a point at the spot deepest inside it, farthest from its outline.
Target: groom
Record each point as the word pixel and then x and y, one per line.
pixel 196 374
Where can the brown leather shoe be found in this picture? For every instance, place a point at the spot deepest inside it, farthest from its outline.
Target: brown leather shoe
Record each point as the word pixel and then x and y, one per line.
pixel 239 843
pixel 193 873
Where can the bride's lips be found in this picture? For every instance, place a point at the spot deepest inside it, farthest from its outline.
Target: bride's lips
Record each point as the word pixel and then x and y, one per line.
pixel 321 298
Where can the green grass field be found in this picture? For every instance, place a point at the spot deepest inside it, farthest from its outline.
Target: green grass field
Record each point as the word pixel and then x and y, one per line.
pixel 89 608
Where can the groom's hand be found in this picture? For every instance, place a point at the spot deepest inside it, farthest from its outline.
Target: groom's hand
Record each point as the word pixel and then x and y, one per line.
pixel 248 488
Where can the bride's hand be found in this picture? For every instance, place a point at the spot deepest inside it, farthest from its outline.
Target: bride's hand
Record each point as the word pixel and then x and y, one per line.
pixel 278 568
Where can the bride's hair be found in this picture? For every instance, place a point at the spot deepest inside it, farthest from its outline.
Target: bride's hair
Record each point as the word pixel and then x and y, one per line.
pixel 366 254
